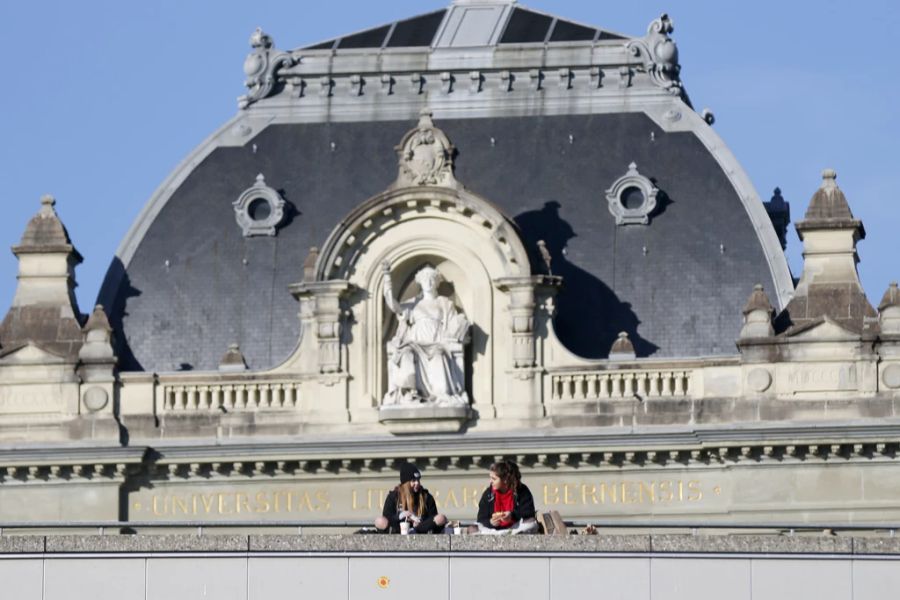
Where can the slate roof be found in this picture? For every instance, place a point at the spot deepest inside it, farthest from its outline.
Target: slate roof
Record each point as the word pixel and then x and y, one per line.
pixel 676 286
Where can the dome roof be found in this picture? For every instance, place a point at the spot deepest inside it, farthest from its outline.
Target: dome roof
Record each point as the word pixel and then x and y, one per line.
pixel 570 136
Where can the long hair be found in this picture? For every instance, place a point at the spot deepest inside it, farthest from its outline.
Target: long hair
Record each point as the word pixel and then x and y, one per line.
pixel 408 500
pixel 509 474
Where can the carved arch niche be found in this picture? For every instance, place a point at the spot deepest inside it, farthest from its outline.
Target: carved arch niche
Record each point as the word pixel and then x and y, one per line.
pixel 452 232
pixel 426 217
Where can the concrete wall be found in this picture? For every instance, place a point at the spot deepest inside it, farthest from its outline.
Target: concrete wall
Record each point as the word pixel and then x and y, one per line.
pixel 452 578
pixel 111 568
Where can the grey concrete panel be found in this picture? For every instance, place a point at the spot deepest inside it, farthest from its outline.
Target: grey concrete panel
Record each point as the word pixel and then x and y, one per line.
pixel 606 578
pixel 180 579
pixel 801 580
pixel 401 578
pixel 694 579
pixel 875 579
pixel 519 577
pixel 270 578
pixel 94 579
pixel 22 578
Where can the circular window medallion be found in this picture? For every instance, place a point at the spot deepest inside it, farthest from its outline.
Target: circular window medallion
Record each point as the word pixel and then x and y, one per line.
pixel 259 209
pixel 631 198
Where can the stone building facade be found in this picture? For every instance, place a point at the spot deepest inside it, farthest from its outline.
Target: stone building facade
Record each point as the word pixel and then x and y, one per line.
pixel 633 335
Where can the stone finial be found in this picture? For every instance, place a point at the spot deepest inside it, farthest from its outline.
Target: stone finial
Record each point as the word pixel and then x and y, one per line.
pixel 828 208
pixel 622 348
pixel 758 300
pixel 889 310
pixel 97 352
pixel 309 264
pixel 98 320
pixel 829 286
pixel 659 54
pixel 233 359
pixel 261 68
pixel 44 311
pixel 757 315
pixel 260 39
pixel 45 232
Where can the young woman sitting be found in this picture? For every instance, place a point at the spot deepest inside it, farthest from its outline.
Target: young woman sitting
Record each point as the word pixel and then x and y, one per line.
pixel 410 503
pixel 507 505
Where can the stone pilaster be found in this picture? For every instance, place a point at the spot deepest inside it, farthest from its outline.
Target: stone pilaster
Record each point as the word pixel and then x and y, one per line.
pixel 524 396
pixel 322 318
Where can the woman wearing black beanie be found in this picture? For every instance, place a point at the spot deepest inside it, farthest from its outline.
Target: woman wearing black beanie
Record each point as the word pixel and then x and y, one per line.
pixel 410 503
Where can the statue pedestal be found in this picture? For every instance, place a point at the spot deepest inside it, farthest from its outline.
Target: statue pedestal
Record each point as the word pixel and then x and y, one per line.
pixel 423 418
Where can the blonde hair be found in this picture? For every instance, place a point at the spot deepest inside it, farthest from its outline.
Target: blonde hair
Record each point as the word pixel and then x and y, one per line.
pixel 407 500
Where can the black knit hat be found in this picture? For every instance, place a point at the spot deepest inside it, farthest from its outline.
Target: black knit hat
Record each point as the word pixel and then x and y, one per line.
pixel 408 472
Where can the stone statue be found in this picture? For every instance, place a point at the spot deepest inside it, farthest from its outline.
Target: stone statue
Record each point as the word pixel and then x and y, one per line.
pixel 425 358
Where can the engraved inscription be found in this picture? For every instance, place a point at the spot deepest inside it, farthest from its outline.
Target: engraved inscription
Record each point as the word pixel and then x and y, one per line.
pixel 822 378
pixel 15 400
pixel 583 495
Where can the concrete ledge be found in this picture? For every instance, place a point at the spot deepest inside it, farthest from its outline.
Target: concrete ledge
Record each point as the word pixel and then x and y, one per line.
pixel 550 543
pixel 146 543
pixel 350 543
pixel 876 545
pixel 11 545
pixel 751 544
pixel 21 544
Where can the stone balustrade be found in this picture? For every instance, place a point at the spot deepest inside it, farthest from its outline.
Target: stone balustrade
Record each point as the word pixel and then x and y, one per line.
pixel 601 385
pixel 247 396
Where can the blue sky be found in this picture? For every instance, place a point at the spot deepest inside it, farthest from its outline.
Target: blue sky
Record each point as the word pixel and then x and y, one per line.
pixel 103 98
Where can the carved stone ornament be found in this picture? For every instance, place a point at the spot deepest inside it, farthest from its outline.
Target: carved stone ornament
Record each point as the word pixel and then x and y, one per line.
pixel 259 209
pixel 632 198
pixel 425 156
pixel 659 54
pixel 261 66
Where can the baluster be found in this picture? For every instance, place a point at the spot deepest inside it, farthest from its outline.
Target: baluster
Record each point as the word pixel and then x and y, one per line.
pixel 655 384
pixel 593 385
pixel 180 397
pixel 567 387
pixel 642 384
pixel 578 383
pixel 277 398
pixel 667 384
pixel 603 386
pixel 679 384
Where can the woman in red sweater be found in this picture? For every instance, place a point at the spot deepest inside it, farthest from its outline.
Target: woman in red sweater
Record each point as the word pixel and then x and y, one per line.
pixel 507 504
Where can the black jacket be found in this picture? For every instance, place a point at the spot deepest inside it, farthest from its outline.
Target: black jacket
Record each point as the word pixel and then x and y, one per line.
pixel 523 506
pixel 391 512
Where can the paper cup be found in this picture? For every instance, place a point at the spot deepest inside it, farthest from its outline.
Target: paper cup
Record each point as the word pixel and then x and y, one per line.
pixel 404 528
